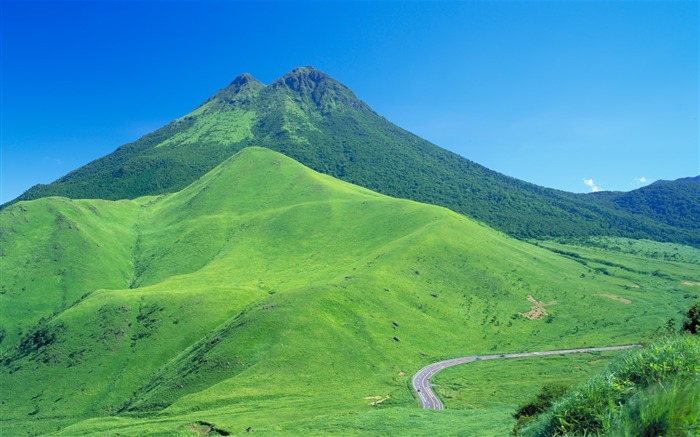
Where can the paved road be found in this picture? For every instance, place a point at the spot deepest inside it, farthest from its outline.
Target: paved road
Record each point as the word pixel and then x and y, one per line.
pixel 421 380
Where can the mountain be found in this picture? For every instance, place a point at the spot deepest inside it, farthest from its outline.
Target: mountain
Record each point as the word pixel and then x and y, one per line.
pixel 268 296
pixel 674 203
pixel 319 122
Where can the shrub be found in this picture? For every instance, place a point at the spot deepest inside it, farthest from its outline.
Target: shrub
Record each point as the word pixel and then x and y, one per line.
pixel 541 402
pixel 691 324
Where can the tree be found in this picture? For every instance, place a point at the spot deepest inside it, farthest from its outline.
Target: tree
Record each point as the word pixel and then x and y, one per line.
pixel 691 323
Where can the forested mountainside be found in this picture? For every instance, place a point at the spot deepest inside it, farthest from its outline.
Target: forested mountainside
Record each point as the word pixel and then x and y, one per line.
pixel 671 202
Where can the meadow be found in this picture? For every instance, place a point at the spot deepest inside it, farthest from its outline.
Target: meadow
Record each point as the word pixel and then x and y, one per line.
pixel 271 297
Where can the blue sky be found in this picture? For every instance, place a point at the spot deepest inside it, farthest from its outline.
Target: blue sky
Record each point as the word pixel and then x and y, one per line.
pixel 571 95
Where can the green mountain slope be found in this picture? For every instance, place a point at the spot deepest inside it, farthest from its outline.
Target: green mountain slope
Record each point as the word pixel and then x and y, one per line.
pixel 267 295
pixel 319 122
pixel 672 202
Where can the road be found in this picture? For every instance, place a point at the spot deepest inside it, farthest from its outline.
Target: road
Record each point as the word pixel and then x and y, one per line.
pixel 421 380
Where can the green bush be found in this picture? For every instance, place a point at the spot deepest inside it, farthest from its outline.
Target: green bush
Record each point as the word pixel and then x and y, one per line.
pixel 541 402
pixel 691 324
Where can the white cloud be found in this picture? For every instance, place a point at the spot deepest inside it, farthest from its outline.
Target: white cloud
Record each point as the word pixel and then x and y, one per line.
pixel 592 185
pixel 641 180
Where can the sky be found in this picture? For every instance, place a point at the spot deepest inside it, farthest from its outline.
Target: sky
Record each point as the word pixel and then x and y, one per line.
pixel 575 95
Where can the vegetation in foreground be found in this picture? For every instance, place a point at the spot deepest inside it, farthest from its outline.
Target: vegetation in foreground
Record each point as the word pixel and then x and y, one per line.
pixel 652 391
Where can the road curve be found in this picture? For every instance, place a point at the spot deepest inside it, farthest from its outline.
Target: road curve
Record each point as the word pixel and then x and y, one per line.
pixel 421 380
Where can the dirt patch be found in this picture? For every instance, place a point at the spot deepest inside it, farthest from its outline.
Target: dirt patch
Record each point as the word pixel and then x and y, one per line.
pixel 617 298
pixel 690 284
pixel 402 373
pixel 200 429
pixel 377 399
pixel 206 428
pixel 537 310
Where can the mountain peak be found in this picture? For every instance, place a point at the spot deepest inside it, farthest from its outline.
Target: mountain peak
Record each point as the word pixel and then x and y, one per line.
pixel 244 79
pixel 305 79
pixel 317 88
pixel 305 73
pixel 239 92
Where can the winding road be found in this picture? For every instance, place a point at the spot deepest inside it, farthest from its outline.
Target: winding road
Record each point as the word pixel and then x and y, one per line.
pixel 421 380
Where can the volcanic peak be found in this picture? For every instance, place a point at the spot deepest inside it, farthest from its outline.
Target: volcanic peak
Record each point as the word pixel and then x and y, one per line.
pixel 311 86
pixel 241 91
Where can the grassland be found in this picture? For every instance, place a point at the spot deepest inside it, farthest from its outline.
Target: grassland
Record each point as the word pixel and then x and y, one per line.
pixel 499 388
pixel 269 296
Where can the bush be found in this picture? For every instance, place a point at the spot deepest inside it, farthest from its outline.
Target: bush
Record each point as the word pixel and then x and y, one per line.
pixel 542 401
pixel 691 324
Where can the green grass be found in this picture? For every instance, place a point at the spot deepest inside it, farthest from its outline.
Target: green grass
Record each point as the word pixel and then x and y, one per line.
pixel 501 386
pixel 651 391
pixel 51 250
pixel 223 127
pixel 514 380
pixel 268 295
pixel 642 248
pixel 669 407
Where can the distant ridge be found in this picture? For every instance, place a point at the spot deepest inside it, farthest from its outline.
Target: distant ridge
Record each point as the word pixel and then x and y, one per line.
pixel 688 179
pixel 316 120
pixel 675 203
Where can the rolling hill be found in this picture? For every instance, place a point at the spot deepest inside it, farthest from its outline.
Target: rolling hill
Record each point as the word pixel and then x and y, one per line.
pixel 270 297
pixel 319 122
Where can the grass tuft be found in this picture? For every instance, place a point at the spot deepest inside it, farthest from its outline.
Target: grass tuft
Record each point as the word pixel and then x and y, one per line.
pixel 651 391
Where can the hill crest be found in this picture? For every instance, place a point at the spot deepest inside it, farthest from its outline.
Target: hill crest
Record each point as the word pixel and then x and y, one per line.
pixel 318 121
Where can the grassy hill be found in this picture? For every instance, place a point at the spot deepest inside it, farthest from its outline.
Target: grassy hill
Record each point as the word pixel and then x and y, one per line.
pixel 267 295
pixel 319 122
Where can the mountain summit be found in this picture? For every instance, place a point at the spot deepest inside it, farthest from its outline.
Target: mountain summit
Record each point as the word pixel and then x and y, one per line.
pixel 242 90
pixel 314 87
pixel 316 120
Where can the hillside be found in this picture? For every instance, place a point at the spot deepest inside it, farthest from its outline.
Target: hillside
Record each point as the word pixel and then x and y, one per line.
pixel 674 203
pixel 319 122
pixel 267 295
